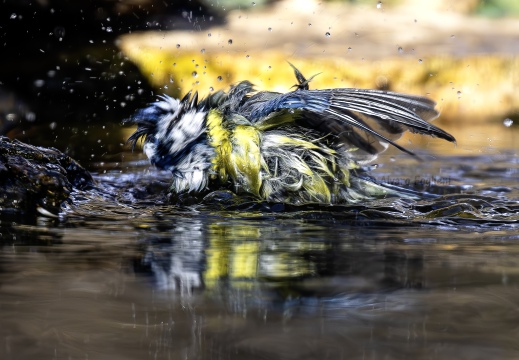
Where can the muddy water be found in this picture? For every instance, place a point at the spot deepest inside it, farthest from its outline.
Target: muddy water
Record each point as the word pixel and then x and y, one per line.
pixel 124 275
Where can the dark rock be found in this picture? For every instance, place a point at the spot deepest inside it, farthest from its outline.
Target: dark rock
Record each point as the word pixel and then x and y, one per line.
pixel 36 179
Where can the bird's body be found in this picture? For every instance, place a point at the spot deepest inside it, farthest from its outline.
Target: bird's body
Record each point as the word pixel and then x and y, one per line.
pixel 299 147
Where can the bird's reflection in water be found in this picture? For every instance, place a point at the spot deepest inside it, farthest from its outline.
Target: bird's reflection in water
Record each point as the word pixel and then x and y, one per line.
pixel 176 260
pixel 291 289
pixel 248 264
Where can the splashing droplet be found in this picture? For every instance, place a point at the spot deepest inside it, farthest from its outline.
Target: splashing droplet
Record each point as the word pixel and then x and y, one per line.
pixel 178 45
pixel 379 5
pixel 209 35
pixel 211 89
pixel 270 29
pixel 194 74
pixel 420 61
pixel 400 50
pixel 327 34
pixel 202 51
pixel 219 78
pixel 229 42
pixel 508 122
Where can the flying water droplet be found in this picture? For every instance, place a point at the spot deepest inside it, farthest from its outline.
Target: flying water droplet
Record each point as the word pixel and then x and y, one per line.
pixel 30 116
pixel 400 50
pixel 229 42
pixel 219 78
pixel 327 34
pixel 194 74
pixel 508 122
pixel 379 5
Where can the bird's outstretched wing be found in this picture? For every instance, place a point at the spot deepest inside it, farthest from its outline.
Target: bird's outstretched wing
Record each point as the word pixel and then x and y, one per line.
pixel 366 119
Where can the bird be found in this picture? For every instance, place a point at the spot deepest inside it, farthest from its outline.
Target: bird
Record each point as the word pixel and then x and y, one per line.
pixel 299 147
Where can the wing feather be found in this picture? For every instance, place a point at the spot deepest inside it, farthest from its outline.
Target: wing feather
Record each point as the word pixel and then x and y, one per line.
pixel 366 119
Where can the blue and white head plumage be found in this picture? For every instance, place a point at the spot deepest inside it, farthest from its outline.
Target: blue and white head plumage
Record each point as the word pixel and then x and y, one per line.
pixel 175 139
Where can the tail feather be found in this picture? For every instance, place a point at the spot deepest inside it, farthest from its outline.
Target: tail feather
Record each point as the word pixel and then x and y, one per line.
pixel 364 186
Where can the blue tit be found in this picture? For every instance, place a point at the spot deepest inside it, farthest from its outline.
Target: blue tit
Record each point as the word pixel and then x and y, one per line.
pixel 303 146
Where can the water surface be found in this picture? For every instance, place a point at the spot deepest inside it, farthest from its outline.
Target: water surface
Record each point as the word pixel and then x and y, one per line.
pixel 122 274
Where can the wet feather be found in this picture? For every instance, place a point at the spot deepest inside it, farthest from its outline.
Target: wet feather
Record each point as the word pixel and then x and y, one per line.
pixel 301 146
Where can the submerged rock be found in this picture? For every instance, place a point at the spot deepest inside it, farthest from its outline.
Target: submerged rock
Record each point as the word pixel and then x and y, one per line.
pixel 36 179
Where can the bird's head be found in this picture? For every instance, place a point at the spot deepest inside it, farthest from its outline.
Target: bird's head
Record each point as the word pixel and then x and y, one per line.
pixel 175 139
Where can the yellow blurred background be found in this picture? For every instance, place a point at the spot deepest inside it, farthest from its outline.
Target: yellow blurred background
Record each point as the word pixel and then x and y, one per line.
pixel 462 54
